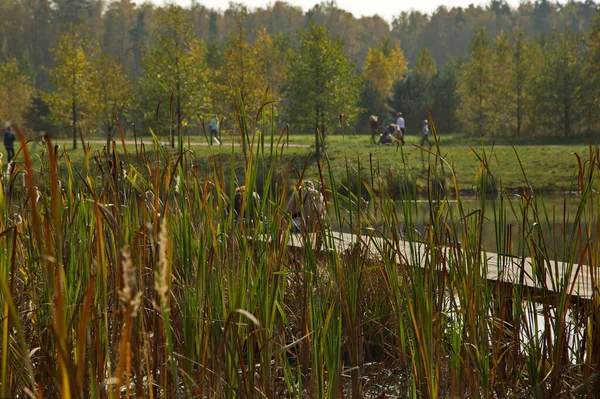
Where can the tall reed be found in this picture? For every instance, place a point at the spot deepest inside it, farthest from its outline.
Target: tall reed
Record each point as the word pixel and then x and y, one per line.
pixel 130 275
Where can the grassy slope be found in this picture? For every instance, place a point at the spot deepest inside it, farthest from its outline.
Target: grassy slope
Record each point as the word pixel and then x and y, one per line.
pixel 549 162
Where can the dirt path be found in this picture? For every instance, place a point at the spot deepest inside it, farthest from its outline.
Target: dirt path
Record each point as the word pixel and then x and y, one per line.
pixel 193 143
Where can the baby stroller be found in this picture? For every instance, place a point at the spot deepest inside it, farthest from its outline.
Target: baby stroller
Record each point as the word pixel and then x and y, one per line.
pixel 386 138
pixel 395 131
pixel 390 133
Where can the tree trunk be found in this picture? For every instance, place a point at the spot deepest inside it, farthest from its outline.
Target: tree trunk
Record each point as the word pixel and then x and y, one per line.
pixel 317 114
pixel 567 116
pixel 317 144
pixel 178 99
pixel 322 131
pixel 74 122
pixel 109 130
pixel 519 111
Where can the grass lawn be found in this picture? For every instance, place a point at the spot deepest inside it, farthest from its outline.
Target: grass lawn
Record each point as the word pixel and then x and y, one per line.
pixel 550 164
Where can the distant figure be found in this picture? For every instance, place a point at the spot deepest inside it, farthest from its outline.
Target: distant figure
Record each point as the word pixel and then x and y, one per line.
pixel 238 200
pixel 307 208
pixel 213 130
pixel 402 127
pixel 425 137
pixel 374 127
pixel 9 141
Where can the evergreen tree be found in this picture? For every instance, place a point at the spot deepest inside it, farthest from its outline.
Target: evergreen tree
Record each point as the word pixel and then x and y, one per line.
pixel 321 85
pixel 407 98
pixel 445 98
pixel 411 95
pixel 139 38
pixel 119 20
pixel 41 33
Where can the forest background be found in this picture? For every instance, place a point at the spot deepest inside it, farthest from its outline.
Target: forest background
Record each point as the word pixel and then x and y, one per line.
pixel 71 66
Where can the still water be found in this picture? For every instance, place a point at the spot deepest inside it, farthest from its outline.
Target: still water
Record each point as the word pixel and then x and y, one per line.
pixel 558 222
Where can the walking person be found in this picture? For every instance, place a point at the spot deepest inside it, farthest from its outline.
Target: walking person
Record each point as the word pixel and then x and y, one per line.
pixel 213 130
pixel 9 141
pixel 401 124
pixel 425 132
pixel 374 127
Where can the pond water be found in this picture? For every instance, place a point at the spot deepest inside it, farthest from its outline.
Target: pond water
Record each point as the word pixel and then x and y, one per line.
pixel 553 215
pixel 556 219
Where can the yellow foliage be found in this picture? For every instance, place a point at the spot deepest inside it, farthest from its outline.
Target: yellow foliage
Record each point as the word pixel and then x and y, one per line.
pixel 16 91
pixel 399 63
pixel 378 69
pixel 384 70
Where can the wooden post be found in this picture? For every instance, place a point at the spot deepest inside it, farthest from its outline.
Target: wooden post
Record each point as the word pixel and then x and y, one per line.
pixel 593 351
pixel 505 337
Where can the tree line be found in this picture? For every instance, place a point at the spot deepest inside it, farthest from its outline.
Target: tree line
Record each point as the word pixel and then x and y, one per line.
pixel 79 66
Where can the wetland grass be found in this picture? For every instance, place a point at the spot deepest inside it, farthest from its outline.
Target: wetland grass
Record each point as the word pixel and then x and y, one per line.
pixel 127 276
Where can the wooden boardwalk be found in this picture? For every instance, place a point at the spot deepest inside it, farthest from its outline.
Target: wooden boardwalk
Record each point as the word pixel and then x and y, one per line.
pixel 549 278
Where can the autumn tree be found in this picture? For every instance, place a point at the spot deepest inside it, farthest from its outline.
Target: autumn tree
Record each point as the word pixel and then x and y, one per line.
pixel 74 97
pixel 385 64
pixel 522 72
pixel 242 76
pixel 321 85
pixel 412 94
pixel 175 73
pixel 425 66
pixel 378 70
pixel 592 73
pixel 502 120
pixel 114 93
pixel 425 72
pixel 16 92
pixel 476 89
pixel 561 84
pixel 271 60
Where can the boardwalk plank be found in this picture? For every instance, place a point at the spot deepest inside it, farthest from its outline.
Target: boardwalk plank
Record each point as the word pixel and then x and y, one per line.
pixel 500 268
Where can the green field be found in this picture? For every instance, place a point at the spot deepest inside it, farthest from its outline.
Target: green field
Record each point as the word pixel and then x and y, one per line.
pixel 545 164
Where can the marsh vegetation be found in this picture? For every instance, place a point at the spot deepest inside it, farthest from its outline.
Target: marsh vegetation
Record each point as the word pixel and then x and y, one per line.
pixel 125 275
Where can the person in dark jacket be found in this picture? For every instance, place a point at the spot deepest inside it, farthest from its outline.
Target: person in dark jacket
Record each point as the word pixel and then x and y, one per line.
pixel 9 141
